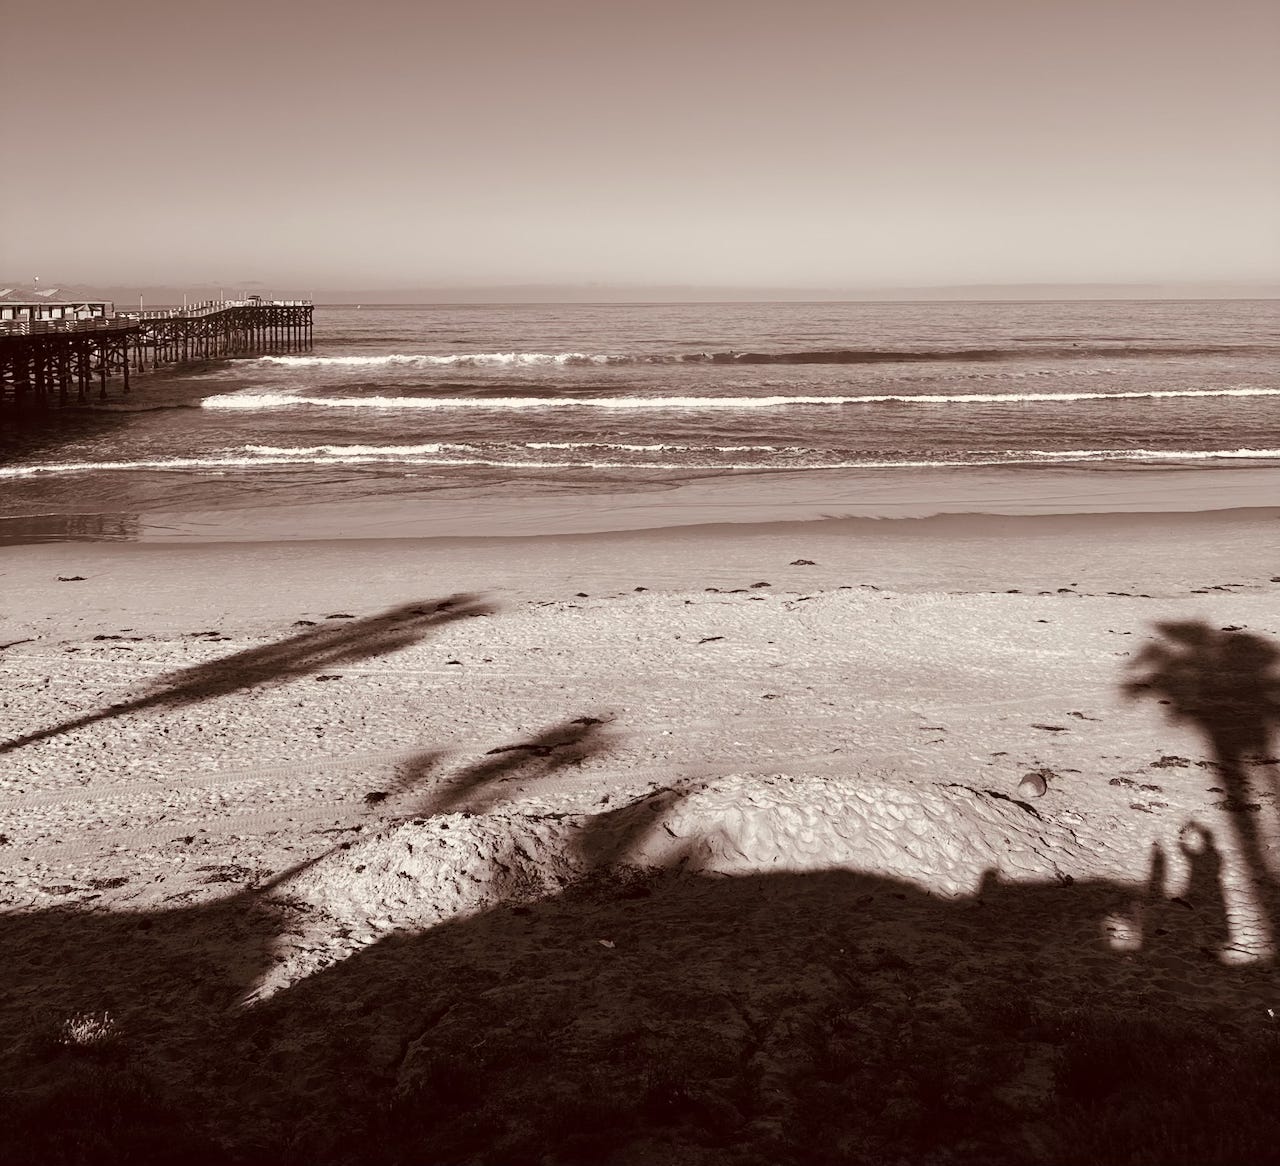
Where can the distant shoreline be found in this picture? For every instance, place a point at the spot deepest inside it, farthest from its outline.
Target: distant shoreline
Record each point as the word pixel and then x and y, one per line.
pixel 172 295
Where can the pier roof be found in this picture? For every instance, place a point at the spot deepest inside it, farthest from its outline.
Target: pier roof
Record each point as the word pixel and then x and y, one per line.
pixel 27 297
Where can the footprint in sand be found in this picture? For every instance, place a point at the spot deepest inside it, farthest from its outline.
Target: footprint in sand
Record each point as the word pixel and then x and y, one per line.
pixel 1033 785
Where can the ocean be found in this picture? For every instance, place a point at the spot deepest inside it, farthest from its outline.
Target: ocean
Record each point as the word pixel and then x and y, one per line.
pixel 493 402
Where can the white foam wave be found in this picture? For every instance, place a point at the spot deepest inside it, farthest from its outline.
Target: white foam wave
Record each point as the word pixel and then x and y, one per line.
pixel 650 448
pixel 452 360
pixel 1173 455
pixel 266 457
pixel 295 452
pixel 249 400
pixel 464 446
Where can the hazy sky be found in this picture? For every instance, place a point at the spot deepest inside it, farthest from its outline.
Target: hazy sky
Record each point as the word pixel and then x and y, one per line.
pixel 794 142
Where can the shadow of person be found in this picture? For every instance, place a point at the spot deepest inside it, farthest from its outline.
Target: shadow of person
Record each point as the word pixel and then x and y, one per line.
pixel 1226 684
pixel 1203 893
pixel 308 652
pixel 1178 932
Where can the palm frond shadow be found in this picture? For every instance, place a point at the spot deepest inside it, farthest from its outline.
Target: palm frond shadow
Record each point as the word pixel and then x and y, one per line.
pixel 477 787
pixel 1224 683
pixel 306 653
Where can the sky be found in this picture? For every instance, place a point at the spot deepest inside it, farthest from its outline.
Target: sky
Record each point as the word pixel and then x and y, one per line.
pixel 795 143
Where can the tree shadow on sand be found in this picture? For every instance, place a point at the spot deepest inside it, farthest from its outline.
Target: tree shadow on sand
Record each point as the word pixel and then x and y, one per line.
pixel 338 644
pixel 637 1015
pixel 605 1000
pixel 475 788
pixel 1225 683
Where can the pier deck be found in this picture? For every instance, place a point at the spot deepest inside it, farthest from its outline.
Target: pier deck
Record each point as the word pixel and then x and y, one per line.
pixel 47 363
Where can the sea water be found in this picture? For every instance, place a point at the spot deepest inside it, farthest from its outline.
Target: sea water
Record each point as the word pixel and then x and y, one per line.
pixel 513 401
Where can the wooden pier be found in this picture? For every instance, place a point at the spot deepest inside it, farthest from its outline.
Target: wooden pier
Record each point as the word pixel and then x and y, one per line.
pixel 47 363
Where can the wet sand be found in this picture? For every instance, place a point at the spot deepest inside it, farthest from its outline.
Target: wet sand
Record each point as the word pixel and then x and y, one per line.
pixel 543 506
pixel 1160 554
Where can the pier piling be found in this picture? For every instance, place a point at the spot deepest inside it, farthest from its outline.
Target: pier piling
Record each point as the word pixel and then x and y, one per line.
pixel 39 359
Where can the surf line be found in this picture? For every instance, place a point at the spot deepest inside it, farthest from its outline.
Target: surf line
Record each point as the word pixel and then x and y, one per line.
pixel 251 401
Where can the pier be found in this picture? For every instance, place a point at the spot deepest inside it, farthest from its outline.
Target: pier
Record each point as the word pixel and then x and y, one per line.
pixel 46 363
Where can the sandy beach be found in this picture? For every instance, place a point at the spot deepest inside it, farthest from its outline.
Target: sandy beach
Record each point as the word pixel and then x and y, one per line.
pixel 595 584
pixel 675 836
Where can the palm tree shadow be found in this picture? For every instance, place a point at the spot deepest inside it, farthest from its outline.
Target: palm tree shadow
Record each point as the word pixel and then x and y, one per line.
pixel 475 788
pixel 1225 683
pixel 300 655
pixel 696 1017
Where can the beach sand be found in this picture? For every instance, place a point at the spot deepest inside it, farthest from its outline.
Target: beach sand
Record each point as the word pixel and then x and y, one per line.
pixel 642 846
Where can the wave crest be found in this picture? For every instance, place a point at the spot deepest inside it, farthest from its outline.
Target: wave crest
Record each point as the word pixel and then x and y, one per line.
pixel 730 356
pixel 453 360
pixel 516 456
pixel 251 400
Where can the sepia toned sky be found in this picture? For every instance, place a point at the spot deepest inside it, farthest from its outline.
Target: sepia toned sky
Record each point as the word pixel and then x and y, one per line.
pixel 731 142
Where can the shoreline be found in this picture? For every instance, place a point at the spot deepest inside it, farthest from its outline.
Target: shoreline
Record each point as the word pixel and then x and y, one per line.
pixel 533 507
pixel 1173 555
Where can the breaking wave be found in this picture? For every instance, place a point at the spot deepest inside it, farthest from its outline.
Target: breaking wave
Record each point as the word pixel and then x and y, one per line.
pixel 810 356
pixel 603 456
pixel 455 360
pixel 247 400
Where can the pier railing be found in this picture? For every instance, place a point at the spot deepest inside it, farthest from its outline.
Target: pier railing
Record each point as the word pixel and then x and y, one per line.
pixel 130 319
pixel 212 307
pixel 39 327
